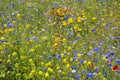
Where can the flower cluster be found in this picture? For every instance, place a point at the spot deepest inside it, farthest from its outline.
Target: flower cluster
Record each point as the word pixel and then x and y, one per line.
pixel 59 40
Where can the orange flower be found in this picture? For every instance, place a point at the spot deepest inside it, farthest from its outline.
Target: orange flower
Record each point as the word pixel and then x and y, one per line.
pixel 56 47
pixel 58 10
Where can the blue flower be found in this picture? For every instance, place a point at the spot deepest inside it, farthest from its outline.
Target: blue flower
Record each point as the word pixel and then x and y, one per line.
pixel 83 71
pixel 72 67
pixel 109 64
pixel 117 60
pixel 58 56
pixel 93 29
pixel 118 71
pixel 112 52
pixel 9 24
pixel 89 74
pixel 44 69
pixel 116 36
pixel 81 60
pixel 110 47
pixel 77 76
pixel 95 49
pixel 107 55
pixel 75 51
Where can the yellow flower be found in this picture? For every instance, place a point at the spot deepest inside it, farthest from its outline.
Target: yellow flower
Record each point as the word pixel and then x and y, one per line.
pixel 70 20
pixel 62 54
pixel 103 58
pixel 42 63
pixel 63 73
pixel 50 70
pixel 65 60
pixel 68 65
pixel 104 79
pixel 22 57
pixel 79 55
pixel 14 53
pixel 64 40
pixel 69 48
pixel 2 38
pixel 99 74
pixel 57 39
pixel 5 25
pixel 30 60
pixel 13 22
pixel 32 50
pixel 8 61
pixel 40 72
pixel 18 15
pixel 94 18
pixel 28 25
pixel 46 74
pixel 79 19
pixel 79 29
pixel 85 62
pixel 39 22
pixel 58 67
pixel 64 23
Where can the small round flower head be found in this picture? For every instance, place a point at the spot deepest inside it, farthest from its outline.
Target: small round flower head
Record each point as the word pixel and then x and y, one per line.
pixel 77 76
pixel 89 74
pixel 73 71
pixel 117 60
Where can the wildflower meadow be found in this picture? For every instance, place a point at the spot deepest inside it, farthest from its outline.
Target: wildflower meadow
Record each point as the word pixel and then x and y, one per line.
pixel 59 39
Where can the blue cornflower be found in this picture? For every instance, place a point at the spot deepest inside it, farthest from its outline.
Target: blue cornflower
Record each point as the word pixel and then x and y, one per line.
pixel 116 36
pixel 117 60
pixel 118 71
pixel 95 49
pixel 81 60
pixel 112 52
pixel 107 55
pixel 110 47
pixel 77 76
pixel 58 56
pixel 44 69
pixel 83 71
pixel 72 67
pixel 93 29
pixel 75 51
pixel 9 24
pixel 110 65
pixel 89 74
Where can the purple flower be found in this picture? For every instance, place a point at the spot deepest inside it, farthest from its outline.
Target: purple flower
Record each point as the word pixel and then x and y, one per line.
pixel 110 47
pixel 89 74
pixel 117 60
pixel 116 36
pixel 83 71
pixel 77 76
pixel 75 51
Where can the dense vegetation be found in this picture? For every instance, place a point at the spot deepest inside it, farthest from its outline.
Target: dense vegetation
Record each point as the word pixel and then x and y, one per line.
pixel 59 39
